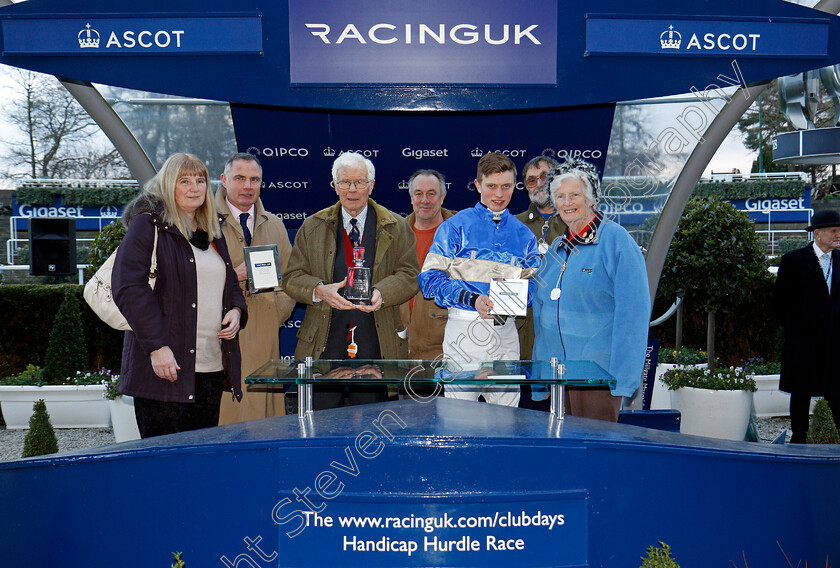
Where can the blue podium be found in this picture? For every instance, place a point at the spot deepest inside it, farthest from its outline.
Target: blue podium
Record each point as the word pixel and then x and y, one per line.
pixel 441 483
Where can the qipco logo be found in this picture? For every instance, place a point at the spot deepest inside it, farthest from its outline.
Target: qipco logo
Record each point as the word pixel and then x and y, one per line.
pixel 279 152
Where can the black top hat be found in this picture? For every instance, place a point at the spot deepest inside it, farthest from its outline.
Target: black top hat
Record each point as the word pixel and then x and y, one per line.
pixel 823 219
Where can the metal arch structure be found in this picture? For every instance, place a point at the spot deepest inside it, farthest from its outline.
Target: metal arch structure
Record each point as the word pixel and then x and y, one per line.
pixel 697 161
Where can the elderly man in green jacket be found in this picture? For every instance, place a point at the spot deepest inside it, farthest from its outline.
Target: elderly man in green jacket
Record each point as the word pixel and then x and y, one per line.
pixel 334 327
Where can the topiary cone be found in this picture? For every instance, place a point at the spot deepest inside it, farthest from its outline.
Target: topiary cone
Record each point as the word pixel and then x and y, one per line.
pixel 822 429
pixel 40 439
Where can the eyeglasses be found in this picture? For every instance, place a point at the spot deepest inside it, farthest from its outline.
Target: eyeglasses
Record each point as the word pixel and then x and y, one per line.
pixel 533 181
pixel 358 184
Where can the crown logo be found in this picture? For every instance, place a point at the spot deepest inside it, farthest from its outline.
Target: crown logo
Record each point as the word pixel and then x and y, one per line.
pixel 673 41
pixel 88 38
pixel 403 185
pixel 549 152
pixel 329 152
pixel 477 153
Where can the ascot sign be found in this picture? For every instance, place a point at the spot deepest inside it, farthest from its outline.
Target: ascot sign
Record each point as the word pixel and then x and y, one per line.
pixel 744 37
pixel 125 36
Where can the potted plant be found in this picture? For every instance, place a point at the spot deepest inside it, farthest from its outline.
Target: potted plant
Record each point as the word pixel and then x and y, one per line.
pixel 121 406
pixel 671 359
pixel 715 404
pixel 768 399
pixel 75 403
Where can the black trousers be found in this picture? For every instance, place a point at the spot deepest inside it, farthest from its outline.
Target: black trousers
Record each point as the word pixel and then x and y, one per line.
pixel 526 402
pixel 350 395
pixel 157 418
pixel 800 406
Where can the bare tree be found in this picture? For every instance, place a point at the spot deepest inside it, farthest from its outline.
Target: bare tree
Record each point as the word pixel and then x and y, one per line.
pixel 56 131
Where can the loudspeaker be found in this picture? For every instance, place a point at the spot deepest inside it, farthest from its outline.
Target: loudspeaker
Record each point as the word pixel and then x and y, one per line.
pixel 52 246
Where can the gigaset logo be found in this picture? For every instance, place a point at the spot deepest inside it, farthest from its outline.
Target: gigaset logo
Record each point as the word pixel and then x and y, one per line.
pixel 408 34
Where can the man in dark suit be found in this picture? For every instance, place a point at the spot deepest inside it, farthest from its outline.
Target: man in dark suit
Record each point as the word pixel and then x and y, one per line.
pixel 810 315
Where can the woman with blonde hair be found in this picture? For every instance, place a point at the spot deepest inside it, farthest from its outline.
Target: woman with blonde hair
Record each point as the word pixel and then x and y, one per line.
pixel 183 350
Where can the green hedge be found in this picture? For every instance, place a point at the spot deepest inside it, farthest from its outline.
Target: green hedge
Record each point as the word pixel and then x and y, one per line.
pixel 84 194
pixel 28 313
pixel 758 189
pixel 748 329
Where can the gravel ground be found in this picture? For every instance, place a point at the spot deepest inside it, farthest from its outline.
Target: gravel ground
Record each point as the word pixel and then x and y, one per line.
pixel 11 441
pixel 69 439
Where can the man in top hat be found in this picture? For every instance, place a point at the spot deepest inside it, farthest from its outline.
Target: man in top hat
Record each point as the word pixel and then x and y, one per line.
pixel 807 296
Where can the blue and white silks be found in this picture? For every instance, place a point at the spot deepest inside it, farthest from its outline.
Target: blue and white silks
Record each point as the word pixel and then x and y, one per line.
pixel 470 249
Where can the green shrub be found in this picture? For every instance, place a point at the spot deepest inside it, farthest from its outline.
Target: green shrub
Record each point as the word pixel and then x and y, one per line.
pixel 759 366
pixel 722 378
pixel 82 193
pixel 30 376
pixel 822 429
pixel 715 258
pixel 108 239
pixel 659 557
pixel 682 356
pixel 66 350
pixel 716 264
pixel 756 189
pixel 40 439
pixel 791 243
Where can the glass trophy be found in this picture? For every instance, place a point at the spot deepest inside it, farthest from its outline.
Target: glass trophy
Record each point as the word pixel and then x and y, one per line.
pixel 358 289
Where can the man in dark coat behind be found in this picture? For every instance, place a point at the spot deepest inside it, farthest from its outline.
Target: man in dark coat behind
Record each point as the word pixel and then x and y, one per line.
pixel 810 315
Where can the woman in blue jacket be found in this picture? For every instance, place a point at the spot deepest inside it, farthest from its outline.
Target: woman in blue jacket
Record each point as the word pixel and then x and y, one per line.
pixel 591 300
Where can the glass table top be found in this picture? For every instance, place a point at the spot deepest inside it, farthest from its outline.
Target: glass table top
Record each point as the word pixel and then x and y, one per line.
pixel 447 371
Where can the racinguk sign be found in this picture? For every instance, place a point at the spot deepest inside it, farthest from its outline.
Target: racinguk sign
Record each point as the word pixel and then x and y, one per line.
pixel 742 37
pixel 437 41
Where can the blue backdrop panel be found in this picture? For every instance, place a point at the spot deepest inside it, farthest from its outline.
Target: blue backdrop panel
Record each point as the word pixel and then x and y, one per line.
pixel 600 62
pixel 297 149
pixel 594 494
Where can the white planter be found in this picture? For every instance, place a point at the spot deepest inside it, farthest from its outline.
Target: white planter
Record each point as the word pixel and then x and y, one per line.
pixel 769 400
pixel 661 400
pixel 69 406
pixel 123 419
pixel 723 414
